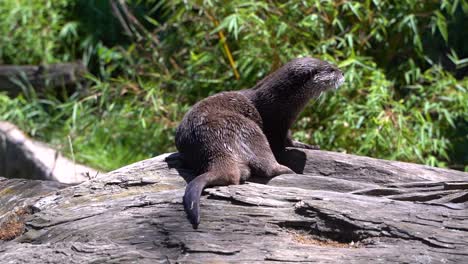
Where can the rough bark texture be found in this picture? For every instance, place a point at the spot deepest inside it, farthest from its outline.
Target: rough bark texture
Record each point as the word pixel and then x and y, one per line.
pixel 15 79
pixel 343 209
pixel 22 157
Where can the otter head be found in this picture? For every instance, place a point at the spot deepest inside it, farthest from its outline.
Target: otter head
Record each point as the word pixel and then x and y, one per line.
pixel 296 82
pixel 310 77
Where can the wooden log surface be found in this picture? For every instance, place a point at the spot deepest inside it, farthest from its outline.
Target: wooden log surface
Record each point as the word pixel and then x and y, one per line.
pixel 342 209
pixel 16 79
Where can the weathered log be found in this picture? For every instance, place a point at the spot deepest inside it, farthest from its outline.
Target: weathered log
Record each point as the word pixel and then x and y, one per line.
pixel 342 209
pixel 16 195
pixel 16 79
pixel 23 157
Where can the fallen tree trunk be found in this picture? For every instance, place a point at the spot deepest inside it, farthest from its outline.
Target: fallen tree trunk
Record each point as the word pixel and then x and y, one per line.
pixel 22 157
pixel 342 209
pixel 16 79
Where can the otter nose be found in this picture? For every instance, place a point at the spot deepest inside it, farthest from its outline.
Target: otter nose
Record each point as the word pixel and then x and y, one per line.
pixel 336 70
pixel 340 72
pixel 340 78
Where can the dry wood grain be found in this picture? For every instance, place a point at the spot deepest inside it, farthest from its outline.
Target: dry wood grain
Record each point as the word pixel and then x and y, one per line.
pixel 342 209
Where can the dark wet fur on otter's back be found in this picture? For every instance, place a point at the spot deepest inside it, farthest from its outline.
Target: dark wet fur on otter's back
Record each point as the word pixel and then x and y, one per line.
pixel 230 136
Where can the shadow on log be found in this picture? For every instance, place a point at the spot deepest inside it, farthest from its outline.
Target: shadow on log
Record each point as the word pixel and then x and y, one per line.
pixel 16 79
pixel 342 209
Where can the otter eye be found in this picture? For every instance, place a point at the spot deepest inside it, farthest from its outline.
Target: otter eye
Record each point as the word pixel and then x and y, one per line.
pixel 313 72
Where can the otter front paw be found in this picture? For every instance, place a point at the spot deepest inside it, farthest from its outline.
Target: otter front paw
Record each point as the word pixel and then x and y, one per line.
pixel 298 144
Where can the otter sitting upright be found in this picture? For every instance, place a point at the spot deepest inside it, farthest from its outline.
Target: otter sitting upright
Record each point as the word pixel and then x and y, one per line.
pixel 230 136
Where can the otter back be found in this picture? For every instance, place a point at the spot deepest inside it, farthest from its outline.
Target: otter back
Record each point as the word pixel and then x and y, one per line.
pixel 221 138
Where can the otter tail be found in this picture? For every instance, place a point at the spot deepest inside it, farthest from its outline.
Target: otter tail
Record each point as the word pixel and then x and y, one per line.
pixel 192 198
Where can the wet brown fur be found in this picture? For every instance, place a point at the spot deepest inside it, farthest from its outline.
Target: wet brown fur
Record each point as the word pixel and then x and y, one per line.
pixel 230 136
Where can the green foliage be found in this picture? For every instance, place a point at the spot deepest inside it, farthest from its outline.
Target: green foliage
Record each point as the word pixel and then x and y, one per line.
pixel 35 31
pixel 405 65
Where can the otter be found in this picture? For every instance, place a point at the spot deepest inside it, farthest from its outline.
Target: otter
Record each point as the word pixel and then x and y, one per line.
pixel 229 136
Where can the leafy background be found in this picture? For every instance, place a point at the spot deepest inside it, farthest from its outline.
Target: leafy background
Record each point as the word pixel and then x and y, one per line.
pixel 405 62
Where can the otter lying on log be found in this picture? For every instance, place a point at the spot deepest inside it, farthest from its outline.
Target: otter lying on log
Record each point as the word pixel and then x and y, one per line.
pixel 230 136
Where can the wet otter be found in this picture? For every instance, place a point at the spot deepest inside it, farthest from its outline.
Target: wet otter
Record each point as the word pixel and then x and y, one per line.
pixel 230 136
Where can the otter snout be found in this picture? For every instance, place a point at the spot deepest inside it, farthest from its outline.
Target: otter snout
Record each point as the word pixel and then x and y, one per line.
pixel 329 77
pixel 339 77
pixel 332 76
